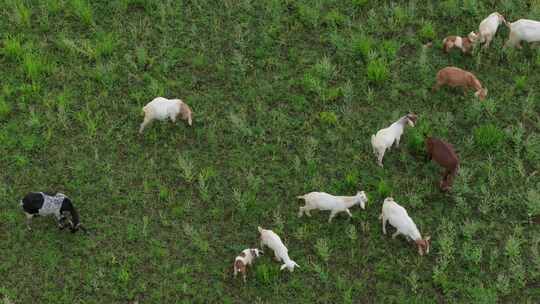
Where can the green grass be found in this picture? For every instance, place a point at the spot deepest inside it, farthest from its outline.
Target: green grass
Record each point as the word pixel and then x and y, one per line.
pixel 286 95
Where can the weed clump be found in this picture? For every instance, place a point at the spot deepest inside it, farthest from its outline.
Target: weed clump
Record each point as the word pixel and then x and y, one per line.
pixel 487 137
pixel 378 71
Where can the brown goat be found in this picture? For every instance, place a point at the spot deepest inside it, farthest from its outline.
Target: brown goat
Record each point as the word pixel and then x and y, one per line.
pixel 443 153
pixel 456 77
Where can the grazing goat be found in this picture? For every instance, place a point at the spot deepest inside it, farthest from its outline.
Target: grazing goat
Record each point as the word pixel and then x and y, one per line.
pixel 385 137
pixel 456 77
pixel 523 29
pixel 443 153
pixel 272 240
pixel 45 203
pixel 244 259
pixel 465 44
pixel 488 28
pixel 337 204
pixel 398 217
pixel 162 108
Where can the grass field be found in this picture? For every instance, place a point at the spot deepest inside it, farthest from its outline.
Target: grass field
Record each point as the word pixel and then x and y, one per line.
pixel 286 95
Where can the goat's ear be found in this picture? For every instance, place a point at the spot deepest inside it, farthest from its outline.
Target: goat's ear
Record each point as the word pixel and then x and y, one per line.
pixel 283 266
pixel 296 265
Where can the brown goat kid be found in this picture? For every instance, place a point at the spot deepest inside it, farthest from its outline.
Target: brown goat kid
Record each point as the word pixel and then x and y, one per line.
pixel 456 77
pixel 443 153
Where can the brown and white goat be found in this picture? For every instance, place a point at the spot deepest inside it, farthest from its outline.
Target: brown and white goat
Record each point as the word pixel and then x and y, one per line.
pixel 244 259
pixel 456 77
pixel 398 217
pixel 465 44
pixel 162 108
pixel 443 153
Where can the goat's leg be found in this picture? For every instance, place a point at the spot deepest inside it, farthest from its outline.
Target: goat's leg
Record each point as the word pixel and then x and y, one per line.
pixel 348 212
pixel 380 157
pixel 301 211
pixel 397 141
pixel 384 219
pixel 28 220
pixel 276 257
pixel 488 41
pixel 244 275
pixel 145 123
pixel 332 214
pixel 173 118
pixel 395 234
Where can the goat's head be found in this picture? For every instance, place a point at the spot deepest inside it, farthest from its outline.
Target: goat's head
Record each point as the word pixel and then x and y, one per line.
pixel 289 265
pixel 423 245
pixel 362 199
pixel 472 36
pixel 411 119
pixel 256 252
pixel 388 199
pixel 481 93
pixel 185 112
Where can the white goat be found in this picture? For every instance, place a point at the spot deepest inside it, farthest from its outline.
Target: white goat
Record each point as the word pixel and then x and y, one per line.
pixel 523 29
pixel 244 259
pixel 385 137
pixel 272 240
pixel 488 28
pixel 398 217
pixel 162 108
pixel 337 204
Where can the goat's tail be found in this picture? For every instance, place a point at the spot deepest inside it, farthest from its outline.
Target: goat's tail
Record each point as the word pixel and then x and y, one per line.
pixel 301 197
pixel 373 141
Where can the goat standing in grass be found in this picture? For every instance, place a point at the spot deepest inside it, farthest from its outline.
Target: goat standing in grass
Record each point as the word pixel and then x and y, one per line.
pixel 272 240
pixel 385 138
pixel 465 44
pixel 45 203
pixel 244 259
pixel 162 108
pixel 398 217
pixel 443 153
pixel 456 77
pixel 488 27
pixel 336 204
pixel 523 29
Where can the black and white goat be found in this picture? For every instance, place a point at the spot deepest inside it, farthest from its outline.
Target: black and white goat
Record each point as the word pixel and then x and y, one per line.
pixel 45 203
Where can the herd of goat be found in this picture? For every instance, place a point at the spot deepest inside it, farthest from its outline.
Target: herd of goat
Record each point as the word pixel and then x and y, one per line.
pixel 443 153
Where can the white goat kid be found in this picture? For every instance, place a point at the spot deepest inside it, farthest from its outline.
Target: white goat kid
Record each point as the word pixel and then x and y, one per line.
pixel 398 217
pixel 162 108
pixel 488 27
pixel 385 137
pixel 336 204
pixel 272 240
pixel 523 29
